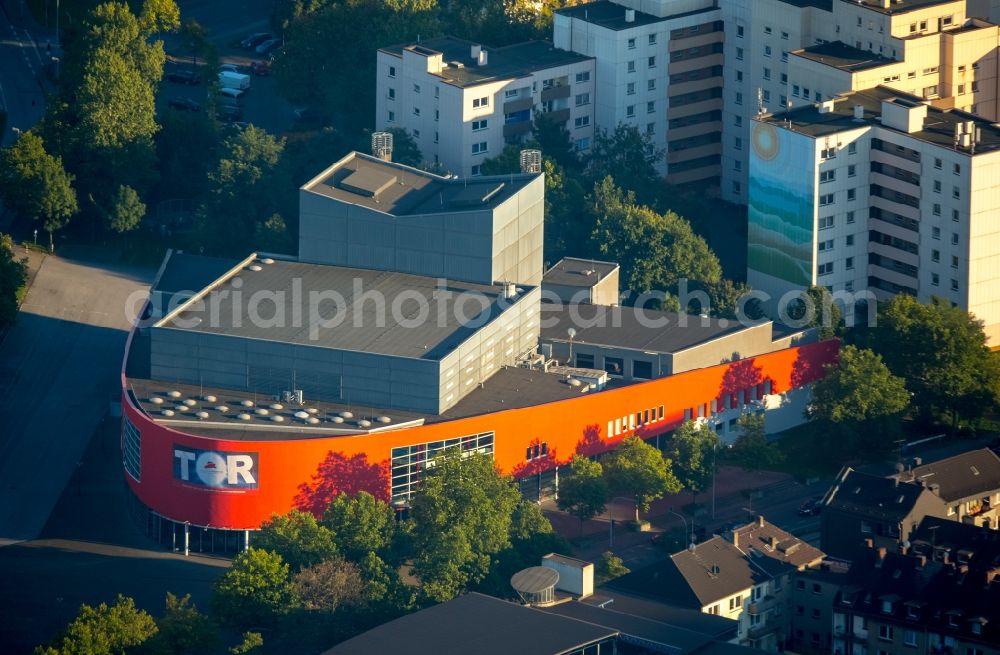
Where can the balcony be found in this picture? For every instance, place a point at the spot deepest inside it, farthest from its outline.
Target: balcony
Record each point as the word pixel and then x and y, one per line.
pixel 697 152
pixel 709 104
pixel 898 208
pixel 516 129
pixel 514 106
pixel 892 183
pixel 894 226
pixel 555 92
pixel 558 115
pixel 904 163
pixel 906 282
pixel 891 252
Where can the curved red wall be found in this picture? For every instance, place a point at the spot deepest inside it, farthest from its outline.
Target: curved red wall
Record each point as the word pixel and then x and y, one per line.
pixel 284 466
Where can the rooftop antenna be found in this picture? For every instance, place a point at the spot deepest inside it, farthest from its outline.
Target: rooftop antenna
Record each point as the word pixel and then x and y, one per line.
pixel 382 145
pixel 531 161
pixel 760 101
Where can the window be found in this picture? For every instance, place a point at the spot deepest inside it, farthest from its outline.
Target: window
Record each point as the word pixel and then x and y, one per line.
pixel 936 231
pixel 824 269
pixel 614 366
pixel 584 360
pixel 583 77
pixel 437 137
pixel 815 613
pixel 767 96
pixel 631 44
pixel 630 89
pixel 651 85
pixel 392 117
pixel 800 584
pixel 651 62
pixel 643 370
pixel 954 215
pixel 961 89
pixel 738 166
pixel 795 90
pixel 935 255
pixel 849 263
pixel 480 125
pixel 582 99
pixel 416 88
pixel 480 102
pixel 631 66
pixel 391 93
pixel 954 261
pixel 738 121
pixel 954 284
pixel 935 280
pixel 866 527
pixel 852 148
pixel 581 121
pixel 852 170
pixel 784 56
pixel 630 111
pixel 956 193
pixel 735 602
pixel 957 169
pixel 513 93
pixel 739 31
pixel 416 134
pixel 828 153
pixel 851 194
pixel 823 246
pixel 582 144
pixel 652 39
pixel 784 78
pixel 826 199
pixel 849 240
pixel 825 222
pixel 737 143
pixel 416 111
pixel 937 185
pixel 131 449
pixel 437 114
pixel 850 217
pixel 714 609
pixel 479 148
pixel 767 30
pixel 954 238
pixel 767 73
pixel 767 51
pixel 650 106
pixel 392 71
pixel 739 53
pixel 739 98
pixel 784 36
pixel 437 92
pixel 885 632
pixel 937 212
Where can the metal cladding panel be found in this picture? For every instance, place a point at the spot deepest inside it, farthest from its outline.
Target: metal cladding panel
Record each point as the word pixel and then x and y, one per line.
pixel 295 473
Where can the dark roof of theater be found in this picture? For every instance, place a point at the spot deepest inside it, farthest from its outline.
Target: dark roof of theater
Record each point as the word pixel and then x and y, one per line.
pixel 191 273
pixel 680 640
pixel 475 623
pixel 577 272
pixel 508 62
pixel 871 495
pixel 611 15
pixel 400 190
pixel 632 327
pixel 713 570
pixel 844 57
pixel 431 339
pixel 938 128
pixel 968 474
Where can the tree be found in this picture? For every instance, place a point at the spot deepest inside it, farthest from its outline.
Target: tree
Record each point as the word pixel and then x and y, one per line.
pixel 584 492
pixel 751 450
pixel 940 351
pixel 194 39
pixel 725 298
pixel 35 184
pixel 328 585
pixel 461 520
pixel 104 630
pixel 609 567
pixel 861 395
pixel 692 450
pixel 640 471
pixel 254 591
pixel 298 538
pixel 404 148
pixel 627 155
pixel 252 641
pixel 656 251
pixel 182 629
pixel 360 524
pixel 13 278
pixel 815 306
pixel 127 210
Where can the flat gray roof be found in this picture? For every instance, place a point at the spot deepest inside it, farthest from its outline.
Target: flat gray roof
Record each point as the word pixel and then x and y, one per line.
pixel 630 327
pixel 843 57
pixel 576 272
pixel 898 6
pixel 400 190
pixel 610 15
pixel 939 127
pixel 365 328
pixel 509 62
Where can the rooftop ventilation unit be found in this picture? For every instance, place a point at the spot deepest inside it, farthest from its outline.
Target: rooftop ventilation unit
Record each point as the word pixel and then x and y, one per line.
pixel 531 161
pixel 536 585
pixel 382 145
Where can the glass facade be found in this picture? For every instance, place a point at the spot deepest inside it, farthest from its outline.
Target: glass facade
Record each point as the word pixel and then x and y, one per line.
pixel 409 462
pixel 131 449
pixel 171 534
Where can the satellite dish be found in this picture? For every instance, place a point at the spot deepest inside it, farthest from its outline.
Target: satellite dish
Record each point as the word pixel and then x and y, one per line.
pixel 571 332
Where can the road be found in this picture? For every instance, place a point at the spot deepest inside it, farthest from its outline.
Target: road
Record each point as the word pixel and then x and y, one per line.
pixel 23 55
pixel 59 368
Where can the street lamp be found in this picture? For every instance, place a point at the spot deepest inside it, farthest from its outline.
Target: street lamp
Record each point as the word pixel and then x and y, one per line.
pixel 690 533
pixel 36 236
pixel 572 335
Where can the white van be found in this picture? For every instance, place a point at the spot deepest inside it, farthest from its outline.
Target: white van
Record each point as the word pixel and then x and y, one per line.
pixel 233 94
pixel 233 80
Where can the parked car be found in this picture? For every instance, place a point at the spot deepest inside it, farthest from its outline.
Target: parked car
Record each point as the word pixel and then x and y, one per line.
pixel 184 77
pixel 261 68
pixel 267 46
pixel 230 113
pixel 811 507
pixel 255 40
pixel 231 93
pixel 230 68
pixel 183 104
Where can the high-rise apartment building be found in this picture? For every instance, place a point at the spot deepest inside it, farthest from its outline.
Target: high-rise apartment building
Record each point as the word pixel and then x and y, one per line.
pixel 462 103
